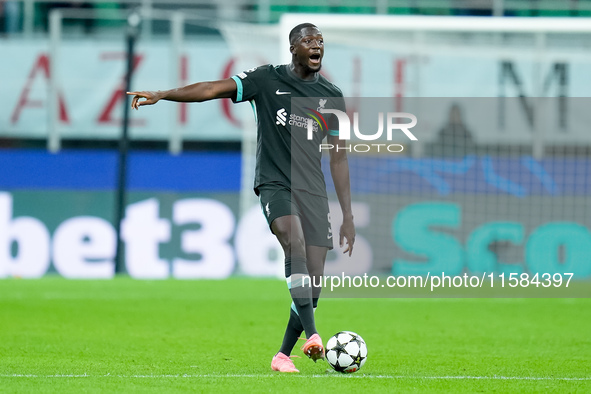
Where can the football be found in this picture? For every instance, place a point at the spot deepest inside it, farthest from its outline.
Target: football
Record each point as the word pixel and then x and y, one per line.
pixel 346 352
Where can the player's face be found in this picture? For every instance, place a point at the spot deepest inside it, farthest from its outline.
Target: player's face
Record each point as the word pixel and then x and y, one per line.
pixel 309 49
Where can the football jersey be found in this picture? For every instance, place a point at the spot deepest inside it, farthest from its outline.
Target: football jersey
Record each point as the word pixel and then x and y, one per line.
pixel 285 152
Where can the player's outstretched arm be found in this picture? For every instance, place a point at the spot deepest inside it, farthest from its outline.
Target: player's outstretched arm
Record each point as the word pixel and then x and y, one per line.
pixel 197 92
pixel 339 169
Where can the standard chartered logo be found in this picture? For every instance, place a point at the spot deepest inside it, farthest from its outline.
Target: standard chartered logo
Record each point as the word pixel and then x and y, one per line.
pixel 294 120
pixel 281 117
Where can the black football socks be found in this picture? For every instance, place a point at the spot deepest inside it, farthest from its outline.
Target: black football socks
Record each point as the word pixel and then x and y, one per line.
pixel 292 332
pixel 300 288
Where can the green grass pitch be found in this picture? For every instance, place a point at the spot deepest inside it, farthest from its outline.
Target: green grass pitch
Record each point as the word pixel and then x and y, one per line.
pixel 123 336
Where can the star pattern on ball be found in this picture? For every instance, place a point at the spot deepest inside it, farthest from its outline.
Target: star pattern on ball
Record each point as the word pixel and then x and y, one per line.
pixel 346 352
pixel 340 348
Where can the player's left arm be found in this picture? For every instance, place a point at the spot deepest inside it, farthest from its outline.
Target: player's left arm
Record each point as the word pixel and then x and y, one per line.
pixel 339 169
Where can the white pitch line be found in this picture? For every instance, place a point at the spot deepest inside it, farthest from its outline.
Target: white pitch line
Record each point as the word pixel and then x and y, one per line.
pixel 333 375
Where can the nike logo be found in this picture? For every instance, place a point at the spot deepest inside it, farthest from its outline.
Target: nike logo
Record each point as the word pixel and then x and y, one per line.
pixel 277 92
pixel 329 236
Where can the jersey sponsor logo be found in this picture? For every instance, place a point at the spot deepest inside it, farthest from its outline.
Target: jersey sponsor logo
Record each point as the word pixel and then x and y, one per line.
pixel 281 117
pixel 277 92
pixel 301 122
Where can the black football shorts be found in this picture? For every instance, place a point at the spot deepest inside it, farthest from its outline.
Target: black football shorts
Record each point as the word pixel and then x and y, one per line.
pixel 278 200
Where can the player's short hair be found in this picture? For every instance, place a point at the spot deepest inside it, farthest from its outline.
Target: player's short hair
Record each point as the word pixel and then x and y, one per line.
pixel 295 33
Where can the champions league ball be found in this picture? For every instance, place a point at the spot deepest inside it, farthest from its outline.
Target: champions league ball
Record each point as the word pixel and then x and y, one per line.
pixel 346 352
